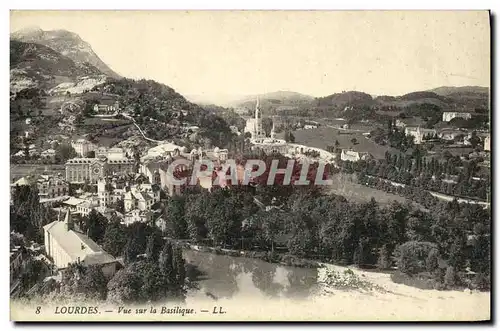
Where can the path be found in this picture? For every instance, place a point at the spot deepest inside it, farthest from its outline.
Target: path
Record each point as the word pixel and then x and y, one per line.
pixel 140 130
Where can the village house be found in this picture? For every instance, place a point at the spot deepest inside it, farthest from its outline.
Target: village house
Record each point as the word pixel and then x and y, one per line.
pixel 64 245
pixel 310 126
pixel 353 156
pixel 419 133
pixel 49 154
pixel 449 115
pixel 136 215
pixel 106 107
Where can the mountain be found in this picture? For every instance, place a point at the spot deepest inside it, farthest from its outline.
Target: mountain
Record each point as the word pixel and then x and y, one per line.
pixel 449 90
pixel 446 98
pixel 67 43
pixel 350 98
pixel 279 100
pixel 35 65
pixel 476 97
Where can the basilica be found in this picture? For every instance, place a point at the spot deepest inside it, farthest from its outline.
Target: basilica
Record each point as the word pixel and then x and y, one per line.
pixel 258 138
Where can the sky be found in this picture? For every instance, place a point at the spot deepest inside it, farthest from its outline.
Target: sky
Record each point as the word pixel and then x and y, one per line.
pixel 225 54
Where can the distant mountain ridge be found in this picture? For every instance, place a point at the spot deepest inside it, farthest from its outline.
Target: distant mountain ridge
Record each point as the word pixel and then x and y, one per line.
pixel 445 97
pixel 67 43
pixel 281 100
pixel 447 90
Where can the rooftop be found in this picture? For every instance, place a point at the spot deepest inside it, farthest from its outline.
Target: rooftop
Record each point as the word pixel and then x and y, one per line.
pixel 76 244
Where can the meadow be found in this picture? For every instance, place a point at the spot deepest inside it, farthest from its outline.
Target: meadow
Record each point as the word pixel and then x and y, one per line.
pixel 323 137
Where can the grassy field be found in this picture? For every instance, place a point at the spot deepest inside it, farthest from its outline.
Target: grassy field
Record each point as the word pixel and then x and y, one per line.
pixel 325 136
pixel 346 186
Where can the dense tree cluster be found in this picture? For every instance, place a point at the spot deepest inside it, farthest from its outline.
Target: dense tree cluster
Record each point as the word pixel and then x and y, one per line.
pixel 393 137
pixel 27 215
pixel 452 176
pixel 312 225
pixel 26 103
pixel 430 113
pixel 158 277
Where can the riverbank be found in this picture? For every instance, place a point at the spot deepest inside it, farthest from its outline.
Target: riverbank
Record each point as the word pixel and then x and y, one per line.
pixel 386 300
pixel 287 260
pixel 279 258
pixel 249 289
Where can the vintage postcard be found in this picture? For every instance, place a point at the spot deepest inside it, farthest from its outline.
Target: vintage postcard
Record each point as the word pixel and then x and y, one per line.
pixel 250 166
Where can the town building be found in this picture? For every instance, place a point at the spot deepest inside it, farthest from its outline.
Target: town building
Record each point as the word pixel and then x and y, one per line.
pixel 449 115
pixel 310 126
pixel 86 207
pixel 402 123
pixel 106 107
pixel 72 203
pixel 82 147
pixel 107 193
pixel 487 143
pixel 155 165
pixel 141 197
pixel 270 145
pixel 48 186
pixel 419 133
pixel 450 135
pixel 65 245
pixel 17 262
pixel 80 170
pixel 220 154
pixel 353 156
pixel 165 149
pixel 234 129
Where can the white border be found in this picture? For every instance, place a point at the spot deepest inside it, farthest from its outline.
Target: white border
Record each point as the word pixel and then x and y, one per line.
pixel 200 4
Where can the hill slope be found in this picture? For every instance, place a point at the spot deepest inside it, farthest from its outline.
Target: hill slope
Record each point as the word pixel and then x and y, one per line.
pixel 67 43
pixel 35 65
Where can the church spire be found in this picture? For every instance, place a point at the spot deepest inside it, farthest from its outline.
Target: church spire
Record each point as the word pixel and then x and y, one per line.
pixel 273 132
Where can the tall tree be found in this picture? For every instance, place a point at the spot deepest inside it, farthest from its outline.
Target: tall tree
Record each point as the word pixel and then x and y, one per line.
pixel 115 238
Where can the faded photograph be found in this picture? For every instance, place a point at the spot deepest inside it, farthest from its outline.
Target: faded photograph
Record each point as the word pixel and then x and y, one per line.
pixel 250 166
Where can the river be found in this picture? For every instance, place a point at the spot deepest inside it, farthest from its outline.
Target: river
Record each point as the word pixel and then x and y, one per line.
pixel 230 277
